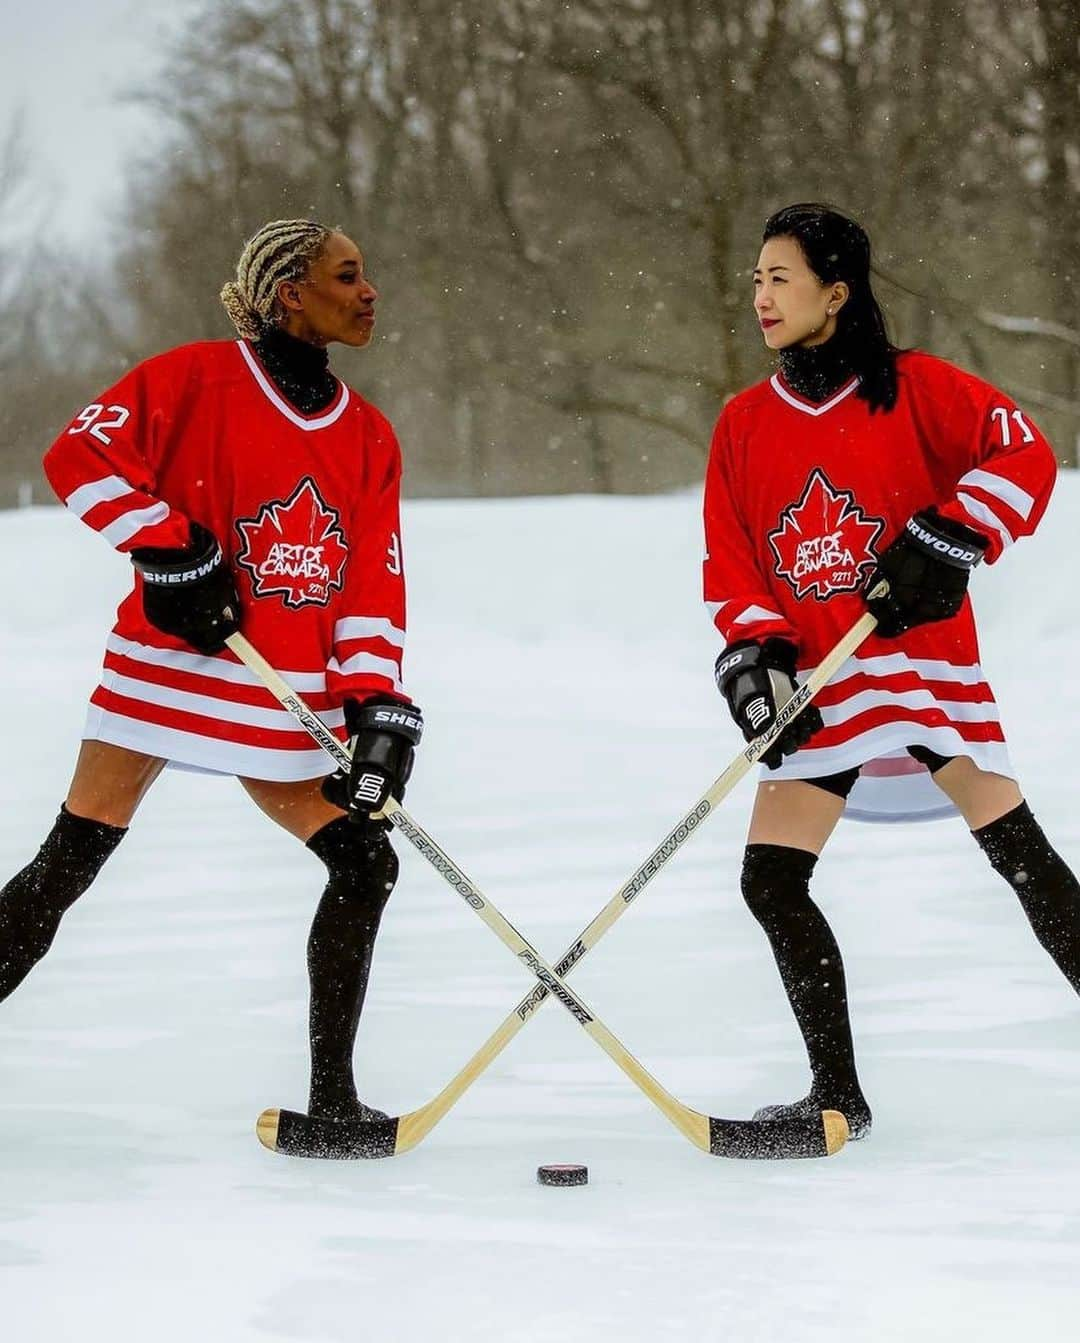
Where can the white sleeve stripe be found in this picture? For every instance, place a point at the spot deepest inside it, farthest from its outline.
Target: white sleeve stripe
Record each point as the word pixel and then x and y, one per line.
pixel 1018 500
pixel 102 491
pixel 753 613
pixel 982 514
pixel 368 627
pixel 367 662
pixel 127 524
pixel 370 662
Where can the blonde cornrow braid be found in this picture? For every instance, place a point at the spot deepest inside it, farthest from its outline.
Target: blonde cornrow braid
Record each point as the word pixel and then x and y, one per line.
pixel 281 250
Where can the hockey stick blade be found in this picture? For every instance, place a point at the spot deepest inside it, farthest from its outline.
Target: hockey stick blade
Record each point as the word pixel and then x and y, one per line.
pixel 778 1139
pixel 295 1134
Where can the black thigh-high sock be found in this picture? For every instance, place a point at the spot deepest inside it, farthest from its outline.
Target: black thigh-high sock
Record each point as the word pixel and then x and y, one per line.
pixel 363 868
pixel 37 898
pixel 776 888
pixel 1047 889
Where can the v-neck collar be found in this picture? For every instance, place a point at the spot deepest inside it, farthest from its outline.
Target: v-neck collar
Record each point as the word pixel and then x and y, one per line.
pixel 785 393
pixel 320 420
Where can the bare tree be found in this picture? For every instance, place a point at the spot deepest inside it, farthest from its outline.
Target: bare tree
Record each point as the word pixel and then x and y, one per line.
pixel 1044 38
pixel 562 203
pixel 16 308
pixel 30 382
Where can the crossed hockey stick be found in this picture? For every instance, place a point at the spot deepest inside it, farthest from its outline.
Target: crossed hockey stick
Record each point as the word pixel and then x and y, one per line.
pixel 303 1135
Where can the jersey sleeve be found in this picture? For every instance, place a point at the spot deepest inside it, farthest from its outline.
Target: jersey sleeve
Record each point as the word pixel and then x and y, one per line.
pixel 1008 467
pixel 736 592
pixel 102 466
pixel 369 632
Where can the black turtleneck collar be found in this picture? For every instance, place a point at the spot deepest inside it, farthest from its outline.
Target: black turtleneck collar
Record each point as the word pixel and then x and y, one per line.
pixel 301 371
pixel 816 371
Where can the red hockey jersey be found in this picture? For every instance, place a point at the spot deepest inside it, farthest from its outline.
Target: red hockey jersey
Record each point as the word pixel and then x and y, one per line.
pixel 799 501
pixel 306 510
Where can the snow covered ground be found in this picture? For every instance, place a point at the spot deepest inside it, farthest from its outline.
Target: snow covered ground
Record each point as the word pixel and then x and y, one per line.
pixel 549 637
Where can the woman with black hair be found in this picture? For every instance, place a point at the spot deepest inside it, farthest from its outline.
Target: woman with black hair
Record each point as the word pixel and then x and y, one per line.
pixel 854 462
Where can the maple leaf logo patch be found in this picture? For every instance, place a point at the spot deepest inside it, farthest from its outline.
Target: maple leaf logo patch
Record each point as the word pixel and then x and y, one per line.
pixel 824 544
pixel 295 548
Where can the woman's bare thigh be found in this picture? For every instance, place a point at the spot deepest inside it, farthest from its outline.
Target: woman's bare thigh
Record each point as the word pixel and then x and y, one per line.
pixel 299 808
pixel 794 814
pixel 110 781
pixel 980 796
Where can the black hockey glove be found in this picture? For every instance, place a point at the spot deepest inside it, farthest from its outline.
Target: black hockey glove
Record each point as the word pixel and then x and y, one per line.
pixel 383 736
pixel 190 593
pixel 927 567
pixel 757 680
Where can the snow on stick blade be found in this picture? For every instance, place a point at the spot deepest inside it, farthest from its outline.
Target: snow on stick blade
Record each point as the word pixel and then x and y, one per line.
pixel 779 1140
pixel 294 1134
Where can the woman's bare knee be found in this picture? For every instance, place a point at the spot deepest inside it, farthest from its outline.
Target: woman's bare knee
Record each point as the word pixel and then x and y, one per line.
pixel 980 795
pixel 110 781
pixel 299 808
pixel 794 814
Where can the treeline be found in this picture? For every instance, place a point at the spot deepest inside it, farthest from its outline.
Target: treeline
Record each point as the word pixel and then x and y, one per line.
pixel 561 205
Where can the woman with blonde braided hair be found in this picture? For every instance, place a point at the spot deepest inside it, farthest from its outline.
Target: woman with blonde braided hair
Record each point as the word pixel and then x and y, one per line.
pixel 254 491
pixel 282 250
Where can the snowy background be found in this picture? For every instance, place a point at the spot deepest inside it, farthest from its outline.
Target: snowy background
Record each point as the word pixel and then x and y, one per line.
pixel 549 638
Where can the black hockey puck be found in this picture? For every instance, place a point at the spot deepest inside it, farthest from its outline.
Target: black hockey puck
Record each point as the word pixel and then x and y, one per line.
pixel 562 1175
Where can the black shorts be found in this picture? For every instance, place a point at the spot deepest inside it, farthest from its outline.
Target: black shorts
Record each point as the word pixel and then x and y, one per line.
pixel 841 784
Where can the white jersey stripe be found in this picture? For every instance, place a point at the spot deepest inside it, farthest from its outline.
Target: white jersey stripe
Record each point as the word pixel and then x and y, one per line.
pixel 95 492
pixel 216 668
pixel 205 754
pixel 895 664
pixel 127 524
pixel 208 706
pixel 1009 493
pixel 368 627
pixel 815 763
pixel 959 711
pixel 987 517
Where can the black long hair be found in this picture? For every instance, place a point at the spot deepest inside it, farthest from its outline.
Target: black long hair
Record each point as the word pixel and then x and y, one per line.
pixel 837 248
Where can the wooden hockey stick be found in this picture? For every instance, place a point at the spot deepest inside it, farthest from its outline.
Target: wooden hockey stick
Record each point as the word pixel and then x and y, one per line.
pixel 289 1131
